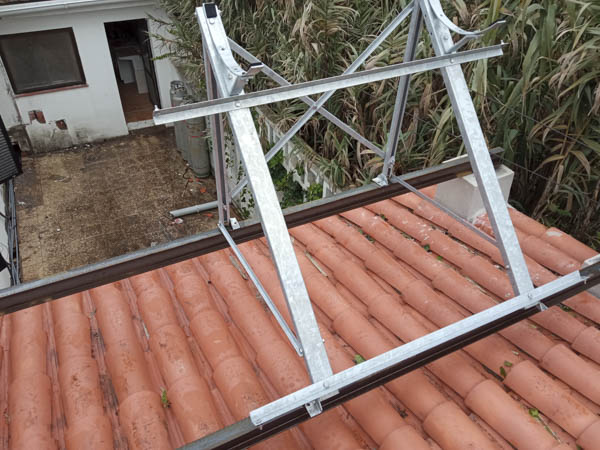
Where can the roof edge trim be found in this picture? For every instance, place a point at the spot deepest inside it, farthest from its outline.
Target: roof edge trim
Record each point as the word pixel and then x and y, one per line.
pixel 61 6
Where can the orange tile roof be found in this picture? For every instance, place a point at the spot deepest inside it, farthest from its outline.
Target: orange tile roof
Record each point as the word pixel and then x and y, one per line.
pixel 164 358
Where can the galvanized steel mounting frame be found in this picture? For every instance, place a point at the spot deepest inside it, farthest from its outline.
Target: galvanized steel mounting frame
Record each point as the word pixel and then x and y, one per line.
pixel 225 83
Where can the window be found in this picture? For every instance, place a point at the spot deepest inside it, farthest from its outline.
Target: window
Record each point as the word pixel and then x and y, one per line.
pixel 41 60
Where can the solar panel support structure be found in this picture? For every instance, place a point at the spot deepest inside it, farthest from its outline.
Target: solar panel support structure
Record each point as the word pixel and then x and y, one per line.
pixel 226 80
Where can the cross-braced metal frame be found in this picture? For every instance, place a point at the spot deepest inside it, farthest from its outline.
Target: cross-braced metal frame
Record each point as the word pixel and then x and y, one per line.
pixel 225 81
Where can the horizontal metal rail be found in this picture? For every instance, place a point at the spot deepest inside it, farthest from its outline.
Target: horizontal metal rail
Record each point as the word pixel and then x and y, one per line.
pixel 288 411
pixel 268 96
pixel 57 286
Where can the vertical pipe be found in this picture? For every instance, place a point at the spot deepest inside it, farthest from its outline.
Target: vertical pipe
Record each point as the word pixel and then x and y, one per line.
pixel 218 144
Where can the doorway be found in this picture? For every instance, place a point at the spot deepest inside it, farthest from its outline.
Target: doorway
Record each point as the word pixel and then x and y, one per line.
pixel 131 54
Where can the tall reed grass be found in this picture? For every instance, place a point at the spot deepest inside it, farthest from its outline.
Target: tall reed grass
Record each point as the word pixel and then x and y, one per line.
pixel 540 102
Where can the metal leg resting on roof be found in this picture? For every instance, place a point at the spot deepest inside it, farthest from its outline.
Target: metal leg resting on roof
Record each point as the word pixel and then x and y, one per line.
pixel 448 211
pixel 227 74
pixel 474 140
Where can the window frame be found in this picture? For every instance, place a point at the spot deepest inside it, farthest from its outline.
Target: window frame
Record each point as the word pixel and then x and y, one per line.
pixel 47 88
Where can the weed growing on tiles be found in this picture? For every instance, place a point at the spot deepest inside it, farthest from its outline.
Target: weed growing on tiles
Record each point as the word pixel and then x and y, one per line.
pixel 164 399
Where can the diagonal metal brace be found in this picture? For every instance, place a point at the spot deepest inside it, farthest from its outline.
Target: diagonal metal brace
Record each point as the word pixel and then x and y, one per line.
pixel 261 290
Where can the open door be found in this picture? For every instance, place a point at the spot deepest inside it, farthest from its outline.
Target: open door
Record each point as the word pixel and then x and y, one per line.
pixel 131 53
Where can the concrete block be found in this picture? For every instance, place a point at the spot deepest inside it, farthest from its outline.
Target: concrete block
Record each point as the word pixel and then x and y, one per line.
pixel 462 196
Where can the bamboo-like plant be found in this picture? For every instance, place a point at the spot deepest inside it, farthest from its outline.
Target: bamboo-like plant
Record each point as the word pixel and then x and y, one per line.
pixel 540 102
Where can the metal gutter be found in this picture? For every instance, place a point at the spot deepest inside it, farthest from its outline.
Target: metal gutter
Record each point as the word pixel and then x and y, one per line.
pixel 114 269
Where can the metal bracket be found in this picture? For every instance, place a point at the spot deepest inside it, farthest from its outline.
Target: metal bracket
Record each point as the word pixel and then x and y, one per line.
pixel 381 180
pixel 243 79
pixel 440 15
pixel 314 408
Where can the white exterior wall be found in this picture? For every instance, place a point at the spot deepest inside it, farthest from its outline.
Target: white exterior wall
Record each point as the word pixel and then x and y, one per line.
pixel 93 112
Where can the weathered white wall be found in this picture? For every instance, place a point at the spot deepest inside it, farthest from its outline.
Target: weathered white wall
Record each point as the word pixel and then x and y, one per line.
pixel 93 112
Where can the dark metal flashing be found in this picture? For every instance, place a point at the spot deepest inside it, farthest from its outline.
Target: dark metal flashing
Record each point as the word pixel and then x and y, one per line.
pixel 114 269
pixel 13 2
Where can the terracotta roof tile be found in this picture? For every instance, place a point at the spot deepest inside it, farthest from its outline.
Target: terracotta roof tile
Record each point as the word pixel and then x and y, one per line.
pixel 170 356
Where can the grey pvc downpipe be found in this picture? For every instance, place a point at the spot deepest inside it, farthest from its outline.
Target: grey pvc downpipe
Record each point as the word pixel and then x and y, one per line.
pixel 194 209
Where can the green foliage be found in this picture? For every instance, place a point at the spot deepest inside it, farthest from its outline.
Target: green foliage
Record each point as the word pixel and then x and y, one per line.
pixel 284 182
pixel 540 102
pixel 314 192
pixel 164 399
pixel 536 415
pixel 358 359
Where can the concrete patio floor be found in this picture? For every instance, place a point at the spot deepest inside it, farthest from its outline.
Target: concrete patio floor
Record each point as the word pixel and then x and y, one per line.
pixel 93 202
